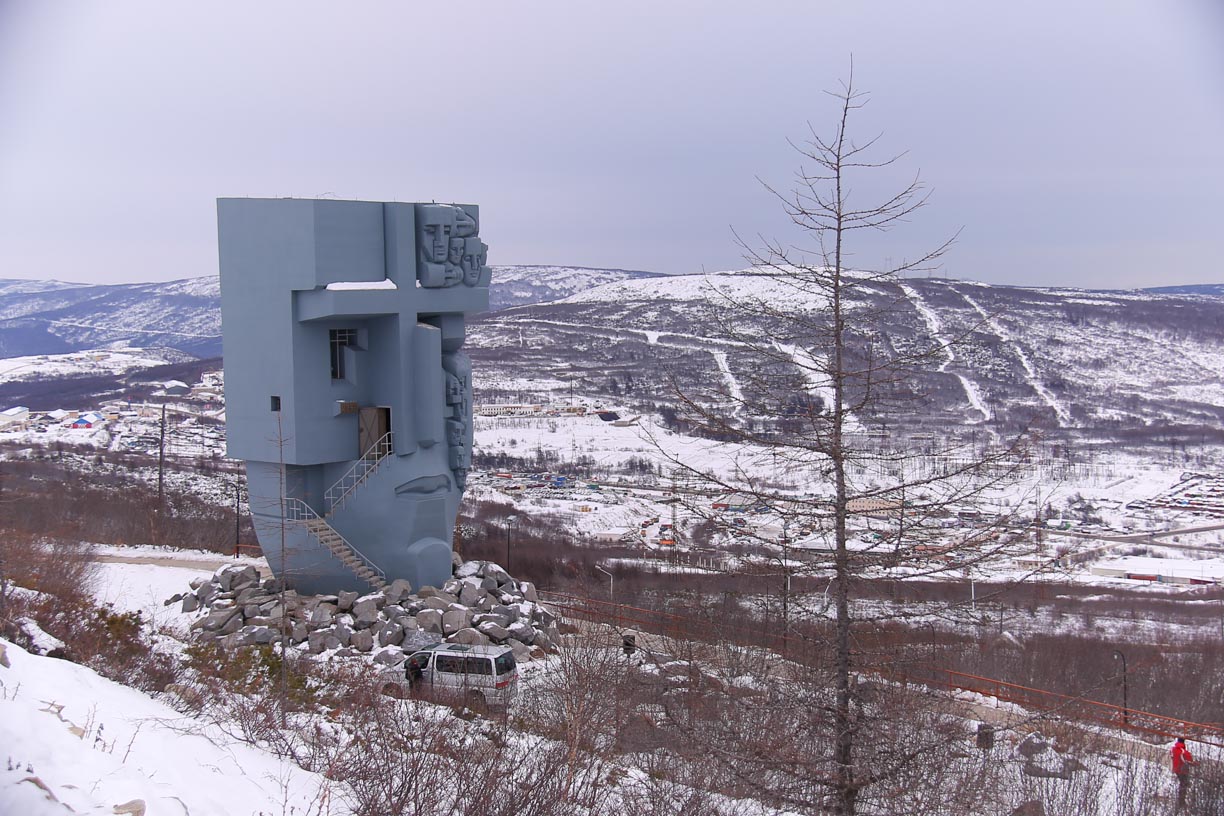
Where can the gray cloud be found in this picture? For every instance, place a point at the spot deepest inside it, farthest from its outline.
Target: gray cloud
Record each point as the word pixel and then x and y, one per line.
pixel 1076 144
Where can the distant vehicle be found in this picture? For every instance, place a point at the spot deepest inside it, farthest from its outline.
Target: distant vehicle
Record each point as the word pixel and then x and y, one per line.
pixel 479 677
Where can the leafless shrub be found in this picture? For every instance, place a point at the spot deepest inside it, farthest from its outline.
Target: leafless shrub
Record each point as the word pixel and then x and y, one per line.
pixel 55 566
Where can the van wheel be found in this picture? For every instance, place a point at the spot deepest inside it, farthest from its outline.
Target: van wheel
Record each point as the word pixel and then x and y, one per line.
pixel 475 702
pixel 393 690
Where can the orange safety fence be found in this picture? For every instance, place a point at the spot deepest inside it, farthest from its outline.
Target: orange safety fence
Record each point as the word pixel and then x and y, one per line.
pixel 1065 705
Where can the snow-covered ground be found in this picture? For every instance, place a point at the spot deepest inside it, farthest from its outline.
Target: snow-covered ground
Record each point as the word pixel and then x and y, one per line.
pixel 76 742
pixel 100 361
pixel 1088 507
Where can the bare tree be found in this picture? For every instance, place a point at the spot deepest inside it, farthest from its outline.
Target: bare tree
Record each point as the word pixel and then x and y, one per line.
pixel 829 358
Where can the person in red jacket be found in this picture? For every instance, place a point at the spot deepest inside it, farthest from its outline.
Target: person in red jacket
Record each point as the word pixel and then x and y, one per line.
pixel 1182 760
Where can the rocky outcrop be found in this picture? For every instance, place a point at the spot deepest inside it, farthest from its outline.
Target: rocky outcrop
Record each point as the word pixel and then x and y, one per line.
pixel 481 604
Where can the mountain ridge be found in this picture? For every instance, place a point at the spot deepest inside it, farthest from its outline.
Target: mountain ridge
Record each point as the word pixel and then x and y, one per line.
pixel 1057 358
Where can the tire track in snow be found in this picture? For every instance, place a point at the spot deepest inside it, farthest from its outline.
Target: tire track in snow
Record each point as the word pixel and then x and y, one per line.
pixel 818 384
pixel 1060 412
pixel 653 338
pixel 935 326
pixel 800 358
pixel 733 387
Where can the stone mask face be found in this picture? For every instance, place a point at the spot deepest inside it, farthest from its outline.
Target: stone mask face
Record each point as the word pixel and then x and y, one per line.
pixel 474 253
pixel 434 228
pixel 456 250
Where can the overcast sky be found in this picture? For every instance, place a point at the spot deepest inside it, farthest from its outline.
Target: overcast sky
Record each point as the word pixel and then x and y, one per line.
pixel 1076 144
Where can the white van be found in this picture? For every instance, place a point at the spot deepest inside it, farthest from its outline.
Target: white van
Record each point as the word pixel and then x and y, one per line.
pixel 476 676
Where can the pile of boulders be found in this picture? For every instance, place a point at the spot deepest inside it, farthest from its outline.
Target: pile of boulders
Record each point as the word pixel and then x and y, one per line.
pixel 481 604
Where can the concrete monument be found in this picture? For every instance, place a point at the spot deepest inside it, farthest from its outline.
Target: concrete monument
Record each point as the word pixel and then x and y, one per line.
pixel 347 391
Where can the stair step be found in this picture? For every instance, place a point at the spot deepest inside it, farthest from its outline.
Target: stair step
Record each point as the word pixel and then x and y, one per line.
pixel 337 546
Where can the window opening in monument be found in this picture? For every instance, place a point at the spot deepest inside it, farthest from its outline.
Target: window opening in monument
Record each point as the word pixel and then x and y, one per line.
pixel 340 340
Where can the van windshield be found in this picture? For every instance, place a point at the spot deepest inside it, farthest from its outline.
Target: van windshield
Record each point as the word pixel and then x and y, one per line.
pixel 505 663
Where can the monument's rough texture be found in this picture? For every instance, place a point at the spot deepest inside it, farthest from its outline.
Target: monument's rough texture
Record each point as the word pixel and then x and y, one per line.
pixel 347 392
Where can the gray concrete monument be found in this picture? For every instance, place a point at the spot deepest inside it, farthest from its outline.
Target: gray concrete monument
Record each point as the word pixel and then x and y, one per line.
pixel 347 391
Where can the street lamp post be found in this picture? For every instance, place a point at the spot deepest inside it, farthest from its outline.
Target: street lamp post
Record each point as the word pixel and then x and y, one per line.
pixel 611 597
pixel 509 523
pixel 1125 703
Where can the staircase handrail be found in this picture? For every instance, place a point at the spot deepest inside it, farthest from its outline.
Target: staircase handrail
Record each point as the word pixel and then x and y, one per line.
pixel 300 512
pixel 351 480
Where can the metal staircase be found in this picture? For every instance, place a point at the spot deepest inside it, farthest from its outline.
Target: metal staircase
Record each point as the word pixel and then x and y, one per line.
pixel 300 512
pixel 361 470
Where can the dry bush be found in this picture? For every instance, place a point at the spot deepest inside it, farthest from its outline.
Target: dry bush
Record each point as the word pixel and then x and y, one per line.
pixel 117 645
pixel 391 756
pixel 50 498
pixel 62 568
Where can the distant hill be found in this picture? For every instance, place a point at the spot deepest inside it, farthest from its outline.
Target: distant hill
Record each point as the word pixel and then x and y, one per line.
pixel 51 317
pixel 1059 359
pixel 524 285
pixel 1205 289
pixel 1065 360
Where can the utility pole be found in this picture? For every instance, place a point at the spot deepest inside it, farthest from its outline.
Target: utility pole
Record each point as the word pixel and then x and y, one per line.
pixel 509 523
pixel 1125 691
pixel 237 515
pixel 161 462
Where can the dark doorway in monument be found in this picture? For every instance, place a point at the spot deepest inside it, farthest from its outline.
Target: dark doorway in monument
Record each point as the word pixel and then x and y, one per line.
pixel 373 423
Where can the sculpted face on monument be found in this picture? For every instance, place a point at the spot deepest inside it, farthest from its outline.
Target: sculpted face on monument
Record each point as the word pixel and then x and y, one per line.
pixel 435 226
pixel 445 236
pixel 474 253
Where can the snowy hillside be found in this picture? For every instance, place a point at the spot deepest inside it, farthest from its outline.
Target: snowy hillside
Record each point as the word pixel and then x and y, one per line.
pixel 13 286
pixel 94 745
pixel 51 317
pixel 524 285
pixel 60 318
pixel 1055 358
pixel 1111 363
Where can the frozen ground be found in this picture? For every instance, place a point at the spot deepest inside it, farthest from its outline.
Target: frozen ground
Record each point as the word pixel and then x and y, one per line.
pixel 75 740
pixel 1102 509
pixel 79 743
pixel 99 361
